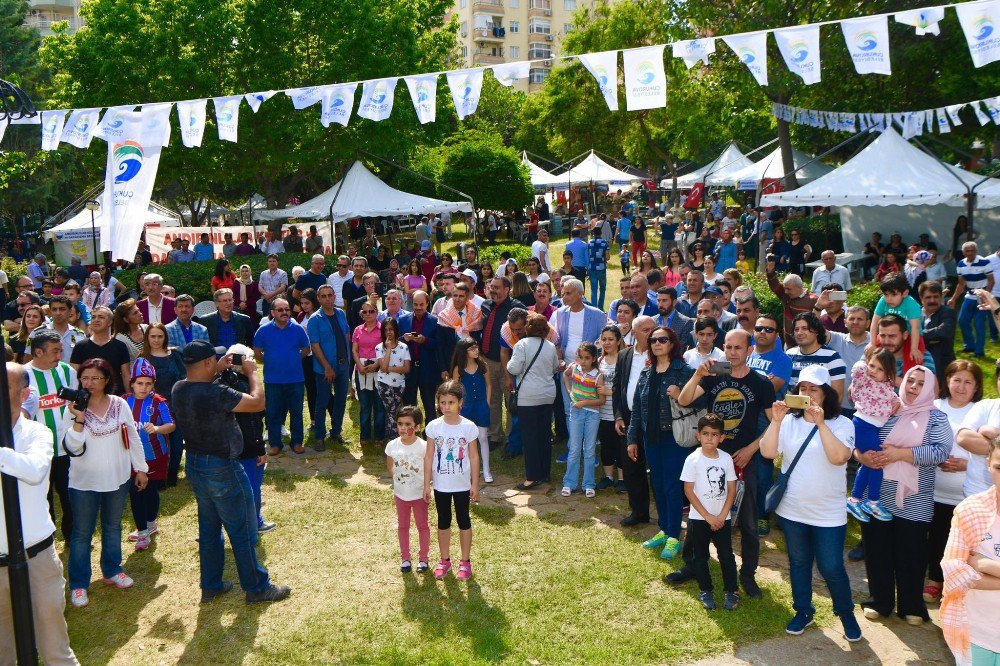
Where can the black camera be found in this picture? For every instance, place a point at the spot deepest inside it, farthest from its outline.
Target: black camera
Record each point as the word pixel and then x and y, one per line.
pixel 381 288
pixel 79 397
pixel 238 360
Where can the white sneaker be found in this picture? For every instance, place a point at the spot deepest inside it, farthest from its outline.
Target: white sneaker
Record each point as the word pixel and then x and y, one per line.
pixel 590 492
pixel 79 598
pixel 120 581
pixel 487 477
pixel 566 492
pixel 139 535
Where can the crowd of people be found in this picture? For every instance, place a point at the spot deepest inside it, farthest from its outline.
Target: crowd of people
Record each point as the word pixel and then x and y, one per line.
pixel 680 394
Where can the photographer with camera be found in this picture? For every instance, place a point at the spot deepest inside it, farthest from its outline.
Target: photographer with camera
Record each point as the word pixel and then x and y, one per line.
pixel 105 448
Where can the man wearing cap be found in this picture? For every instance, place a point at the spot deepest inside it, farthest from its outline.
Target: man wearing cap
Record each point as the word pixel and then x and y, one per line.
pixel 829 273
pixel 282 343
pixel 38 270
pixel 470 279
pixel 205 411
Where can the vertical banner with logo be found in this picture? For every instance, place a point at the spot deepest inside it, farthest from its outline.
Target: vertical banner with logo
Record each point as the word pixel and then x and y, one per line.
pixel 800 49
pixel 924 21
pixel 338 103
pixel 191 119
pixel 868 43
pixel 377 98
pixel 645 80
pixel 227 116
pixel 979 21
pixel 466 88
pixel 751 49
pixel 423 92
pixel 79 128
pixel 52 128
pixel 258 98
pixel 303 97
pixel 693 51
pixel 133 157
pixel 603 66
pixel 510 72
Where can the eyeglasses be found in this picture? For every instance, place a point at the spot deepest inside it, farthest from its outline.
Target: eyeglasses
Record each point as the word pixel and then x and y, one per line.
pixel 765 329
pixel 369 311
pixel 662 340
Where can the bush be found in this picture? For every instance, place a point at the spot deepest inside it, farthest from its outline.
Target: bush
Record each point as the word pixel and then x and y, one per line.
pixel 820 231
pixel 769 303
pixel 491 253
pixel 13 269
pixel 865 295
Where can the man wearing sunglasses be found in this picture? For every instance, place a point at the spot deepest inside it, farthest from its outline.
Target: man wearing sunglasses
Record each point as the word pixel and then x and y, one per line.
pixel 13 309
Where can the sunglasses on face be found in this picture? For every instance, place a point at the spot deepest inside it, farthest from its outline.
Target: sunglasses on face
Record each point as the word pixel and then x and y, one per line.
pixel 765 329
pixel 368 311
pixel 661 340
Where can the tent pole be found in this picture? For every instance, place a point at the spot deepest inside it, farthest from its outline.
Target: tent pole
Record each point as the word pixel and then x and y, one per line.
pixel 253 223
pixel 333 232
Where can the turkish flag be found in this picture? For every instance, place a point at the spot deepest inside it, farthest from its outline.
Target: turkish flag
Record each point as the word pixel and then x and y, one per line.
pixel 694 196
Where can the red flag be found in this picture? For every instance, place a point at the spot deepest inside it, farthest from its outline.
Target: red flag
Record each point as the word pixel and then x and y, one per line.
pixel 694 196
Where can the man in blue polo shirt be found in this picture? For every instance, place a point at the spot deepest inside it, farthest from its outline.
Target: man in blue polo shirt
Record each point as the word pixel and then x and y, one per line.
pixel 581 255
pixel 204 251
pixel 282 343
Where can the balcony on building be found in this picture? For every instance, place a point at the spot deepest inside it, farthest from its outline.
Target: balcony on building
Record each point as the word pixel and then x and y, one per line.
pixel 44 19
pixel 487 57
pixel 537 76
pixel 539 8
pixel 489 29
pixel 495 6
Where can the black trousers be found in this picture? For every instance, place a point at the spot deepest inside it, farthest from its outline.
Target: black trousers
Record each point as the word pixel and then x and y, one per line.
pixel 896 560
pixel 700 535
pixel 610 442
pixel 937 538
pixel 424 379
pixel 59 485
pixel 635 478
pixel 559 411
pixel 536 440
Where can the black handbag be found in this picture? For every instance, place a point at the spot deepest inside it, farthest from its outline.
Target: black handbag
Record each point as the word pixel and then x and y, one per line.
pixel 512 407
pixel 777 491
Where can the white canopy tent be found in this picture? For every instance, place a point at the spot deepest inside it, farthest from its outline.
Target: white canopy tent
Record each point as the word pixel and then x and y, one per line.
pixel 539 176
pixel 717 173
pixel 362 194
pixel 592 169
pixel 74 236
pixel 771 167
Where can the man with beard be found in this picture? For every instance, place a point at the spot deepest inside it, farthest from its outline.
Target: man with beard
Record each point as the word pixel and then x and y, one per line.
pixel 811 349
pixel 939 326
pixel 893 334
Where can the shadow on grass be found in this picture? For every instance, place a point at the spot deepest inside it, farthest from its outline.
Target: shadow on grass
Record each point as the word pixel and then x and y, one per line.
pixel 240 635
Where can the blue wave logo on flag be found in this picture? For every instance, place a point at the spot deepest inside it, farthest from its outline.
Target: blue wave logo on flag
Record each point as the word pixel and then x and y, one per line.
pixel 116 123
pixel 865 41
pixel 82 125
pixel 422 92
pixel 259 98
pixel 467 88
pixel 645 73
pixel 602 76
pixel 338 100
pixel 378 94
pixel 128 160
pixel 227 112
pixel 747 55
pixel 922 20
pixel 799 51
pixel 983 27
pixel 192 121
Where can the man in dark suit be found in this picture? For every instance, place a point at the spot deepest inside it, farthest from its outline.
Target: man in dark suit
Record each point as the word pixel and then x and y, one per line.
pixel 630 363
pixel 156 304
pixel 225 327
pixel 420 332
pixel 939 327
pixel 669 316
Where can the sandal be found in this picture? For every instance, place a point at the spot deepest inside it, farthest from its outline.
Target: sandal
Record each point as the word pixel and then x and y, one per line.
pixel 528 485
pixel 442 568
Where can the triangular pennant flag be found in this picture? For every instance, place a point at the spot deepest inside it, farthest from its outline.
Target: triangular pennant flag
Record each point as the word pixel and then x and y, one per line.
pixel 751 49
pixel 191 119
pixel 911 125
pixel 377 98
pixel 942 121
pixel 303 97
pixel 466 87
pixel 864 122
pixel 52 128
pixel 27 120
pixel 79 128
pixel 868 43
pixel 925 20
pixel 3 130
pixel 953 113
pixel 423 92
pixel 158 116
pixel 878 121
pixel 979 21
pixel 508 73
pixel 110 127
pixel 929 120
pixel 980 116
pixel 603 66
pixel 258 98
pixel 693 51
pixel 993 108
pixel 645 80
pixel 338 103
pixel 227 116
pixel 800 48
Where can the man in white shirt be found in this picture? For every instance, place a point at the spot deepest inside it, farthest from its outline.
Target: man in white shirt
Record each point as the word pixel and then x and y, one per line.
pixel 469 277
pixel 447 288
pixel 540 250
pixel 271 245
pixel 29 462
pixel 340 276
pixel 830 273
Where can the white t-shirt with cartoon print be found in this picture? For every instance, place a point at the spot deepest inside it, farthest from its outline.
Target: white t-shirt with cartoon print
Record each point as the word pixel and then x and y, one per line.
pixel 451 470
pixel 710 477
pixel 407 468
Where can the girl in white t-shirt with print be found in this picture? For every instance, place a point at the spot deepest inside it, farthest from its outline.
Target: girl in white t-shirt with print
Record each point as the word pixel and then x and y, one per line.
pixel 406 457
pixel 393 359
pixel 453 459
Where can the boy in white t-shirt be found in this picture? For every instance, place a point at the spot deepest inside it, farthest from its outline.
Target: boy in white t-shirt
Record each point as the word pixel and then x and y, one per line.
pixel 405 457
pixel 706 329
pixel 453 459
pixel 710 485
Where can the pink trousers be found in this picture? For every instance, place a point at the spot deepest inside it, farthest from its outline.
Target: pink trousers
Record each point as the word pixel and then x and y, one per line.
pixel 419 509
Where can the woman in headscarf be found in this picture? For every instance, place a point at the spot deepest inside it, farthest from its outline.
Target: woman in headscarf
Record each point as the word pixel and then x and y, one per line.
pixel 246 293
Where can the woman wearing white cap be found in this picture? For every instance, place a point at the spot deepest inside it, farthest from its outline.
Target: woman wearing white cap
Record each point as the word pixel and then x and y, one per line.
pixel 815 444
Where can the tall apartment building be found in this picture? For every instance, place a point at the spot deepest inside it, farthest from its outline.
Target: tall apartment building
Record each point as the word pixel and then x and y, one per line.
pixel 43 13
pixel 498 31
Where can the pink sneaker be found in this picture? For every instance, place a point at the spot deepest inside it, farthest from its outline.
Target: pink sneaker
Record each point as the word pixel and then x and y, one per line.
pixel 120 581
pixel 442 568
pixel 464 570
pixel 142 543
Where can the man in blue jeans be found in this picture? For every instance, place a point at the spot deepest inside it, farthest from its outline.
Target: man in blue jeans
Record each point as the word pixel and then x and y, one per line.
pixel 283 343
pixel 206 411
pixel 330 337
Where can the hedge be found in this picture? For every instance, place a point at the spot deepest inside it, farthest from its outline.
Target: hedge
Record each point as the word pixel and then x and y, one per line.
pixel 821 232
pixel 491 253
pixel 13 269
pixel 866 295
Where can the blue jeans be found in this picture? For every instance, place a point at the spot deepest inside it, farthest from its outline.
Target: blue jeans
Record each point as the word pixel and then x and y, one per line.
pixel 255 475
pixel 337 407
pixel 968 316
pixel 86 504
pixel 283 400
pixel 666 460
pixel 371 411
pixel 824 546
pixel 583 425
pixel 225 500
pixel 598 287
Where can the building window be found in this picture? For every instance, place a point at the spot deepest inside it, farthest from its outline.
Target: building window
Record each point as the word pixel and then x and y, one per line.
pixel 463 28
pixel 514 26
pixel 514 52
pixel 536 27
pixel 539 51
pixel 465 52
pixel 567 28
pixel 569 5
pixel 513 4
pixel 462 4
pixel 537 75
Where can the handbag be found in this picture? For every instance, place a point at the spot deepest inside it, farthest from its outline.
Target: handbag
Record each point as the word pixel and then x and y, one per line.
pixel 684 423
pixel 517 385
pixel 777 491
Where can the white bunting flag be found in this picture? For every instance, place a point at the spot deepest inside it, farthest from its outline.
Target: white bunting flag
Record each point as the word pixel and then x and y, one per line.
pixel 980 22
pixel 993 109
pixel 227 116
pixel 423 92
pixel 158 116
pixel 52 128
pixel 258 98
pixel 338 103
pixel 925 20
pixel 27 120
pixel 645 80
pixel 377 98
pixel 693 51
pixel 980 116
pixel 868 43
pixel 751 49
pixel 3 130
pixel 79 128
pixel 953 113
pixel 912 125
pixel 603 66
pixel 466 88
pixel 800 49
pixel 508 73
pixel 303 97
pixel 942 121
pixel 110 126
pixel 191 119
pixel 133 158
pixel 878 121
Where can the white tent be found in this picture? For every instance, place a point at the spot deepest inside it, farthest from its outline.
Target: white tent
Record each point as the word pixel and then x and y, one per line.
pixel 771 167
pixel 716 173
pixel 362 194
pixel 74 237
pixel 539 176
pixel 591 169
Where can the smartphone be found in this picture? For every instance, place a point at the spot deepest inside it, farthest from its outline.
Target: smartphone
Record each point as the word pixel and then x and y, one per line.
pixel 722 368
pixel 238 360
pixel 798 401
pixel 838 296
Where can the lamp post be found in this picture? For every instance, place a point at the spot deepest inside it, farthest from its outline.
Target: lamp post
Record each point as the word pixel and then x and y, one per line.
pixel 93 205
